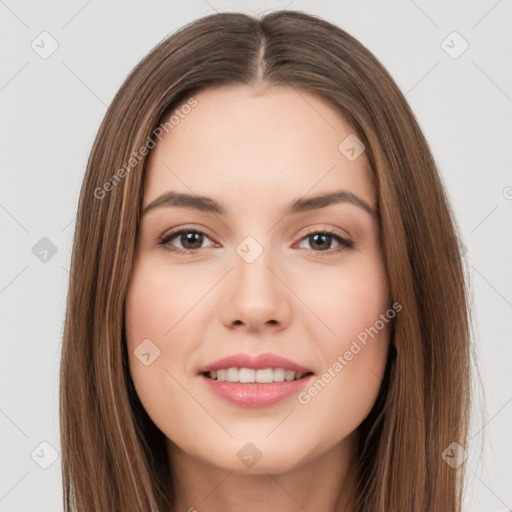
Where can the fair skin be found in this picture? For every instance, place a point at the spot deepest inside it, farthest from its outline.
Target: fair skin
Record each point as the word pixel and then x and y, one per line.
pixel 254 150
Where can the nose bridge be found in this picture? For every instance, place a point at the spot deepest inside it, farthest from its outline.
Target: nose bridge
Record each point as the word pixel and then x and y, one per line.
pixel 256 296
pixel 252 262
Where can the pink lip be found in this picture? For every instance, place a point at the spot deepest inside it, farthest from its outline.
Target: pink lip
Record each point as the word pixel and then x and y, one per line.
pixel 259 362
pixel 256 394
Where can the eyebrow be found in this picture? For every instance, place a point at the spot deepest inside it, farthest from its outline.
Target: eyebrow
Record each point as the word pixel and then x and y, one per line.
pixel 207 204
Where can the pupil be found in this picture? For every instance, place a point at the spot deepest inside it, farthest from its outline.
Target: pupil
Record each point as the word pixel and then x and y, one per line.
pixel 193 238
pixel 323 237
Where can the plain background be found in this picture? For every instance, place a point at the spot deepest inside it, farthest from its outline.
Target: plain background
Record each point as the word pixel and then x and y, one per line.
pixel 52 107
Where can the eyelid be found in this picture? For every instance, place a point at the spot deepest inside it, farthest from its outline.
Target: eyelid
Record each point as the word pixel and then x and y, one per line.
pixel 323 227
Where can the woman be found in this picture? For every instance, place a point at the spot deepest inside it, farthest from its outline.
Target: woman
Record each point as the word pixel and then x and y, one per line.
pixel 267 305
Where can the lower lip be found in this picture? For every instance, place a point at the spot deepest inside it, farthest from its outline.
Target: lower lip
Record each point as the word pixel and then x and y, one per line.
pixel 256 394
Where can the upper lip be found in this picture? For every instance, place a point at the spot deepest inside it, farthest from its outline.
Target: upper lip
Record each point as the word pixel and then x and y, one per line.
pixel 258 362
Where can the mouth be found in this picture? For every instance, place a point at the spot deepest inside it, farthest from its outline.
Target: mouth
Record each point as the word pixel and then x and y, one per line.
pixel 253 376
pixel 255 381
pixel 252 393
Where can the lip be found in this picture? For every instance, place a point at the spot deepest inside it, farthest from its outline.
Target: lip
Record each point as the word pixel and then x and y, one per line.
pixel 255 394
pixel 259 362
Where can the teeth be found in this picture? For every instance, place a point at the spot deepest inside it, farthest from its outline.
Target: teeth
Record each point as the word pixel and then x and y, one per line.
pixel 248 375
pixel 279 374
pixel 265 376
pixel 232 375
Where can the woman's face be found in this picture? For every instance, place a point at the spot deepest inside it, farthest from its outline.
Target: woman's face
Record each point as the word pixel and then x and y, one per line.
pixel 263 278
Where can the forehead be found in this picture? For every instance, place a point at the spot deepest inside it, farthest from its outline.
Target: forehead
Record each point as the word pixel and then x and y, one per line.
pixel 240 142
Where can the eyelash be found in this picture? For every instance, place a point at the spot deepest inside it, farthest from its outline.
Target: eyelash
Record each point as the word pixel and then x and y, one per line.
pixel 344 243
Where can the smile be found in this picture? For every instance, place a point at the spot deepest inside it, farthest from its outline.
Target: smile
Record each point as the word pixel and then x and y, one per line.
pixel 250 375
pixel 248 380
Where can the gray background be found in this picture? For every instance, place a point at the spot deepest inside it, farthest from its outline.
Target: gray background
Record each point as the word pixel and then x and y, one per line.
pixel 51 109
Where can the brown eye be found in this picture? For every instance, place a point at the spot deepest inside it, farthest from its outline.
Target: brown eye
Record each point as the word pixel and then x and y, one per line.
pixel 321 241
pixel 189 239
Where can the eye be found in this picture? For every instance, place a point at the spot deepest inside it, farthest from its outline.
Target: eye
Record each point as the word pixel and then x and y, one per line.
pixel 190 240
pixel 323 240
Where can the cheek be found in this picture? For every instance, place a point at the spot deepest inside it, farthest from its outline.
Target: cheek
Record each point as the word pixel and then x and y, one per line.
pixel 347 299
pixel 349 384
pixel 158 302
pixel 161 319
pixel 361 303
pixel 152 318
pixel 363 327
pixel 356 309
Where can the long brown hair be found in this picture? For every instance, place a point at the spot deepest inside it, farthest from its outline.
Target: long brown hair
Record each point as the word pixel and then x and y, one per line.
pixel 112 454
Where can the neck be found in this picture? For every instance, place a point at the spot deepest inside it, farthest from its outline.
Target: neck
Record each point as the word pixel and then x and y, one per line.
pixel 325 482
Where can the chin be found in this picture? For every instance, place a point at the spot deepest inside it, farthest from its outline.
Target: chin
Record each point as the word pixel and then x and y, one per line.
pixel 261 455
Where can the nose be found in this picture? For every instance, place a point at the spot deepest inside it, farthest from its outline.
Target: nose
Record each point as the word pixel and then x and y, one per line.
pixel 256 297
